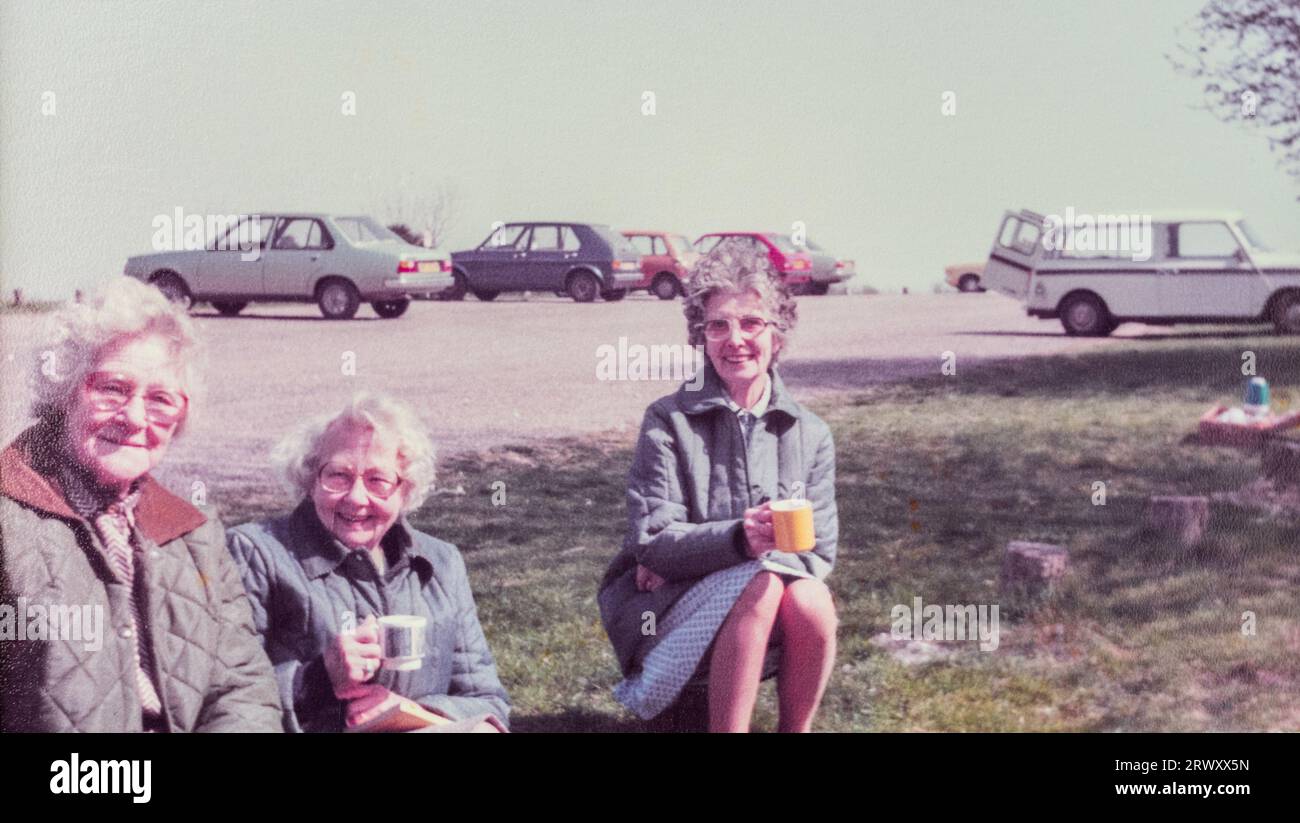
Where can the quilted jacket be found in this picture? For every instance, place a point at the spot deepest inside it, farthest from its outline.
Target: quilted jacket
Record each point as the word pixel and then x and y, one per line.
pixel 212 673
pixel 691 480
pixel 305 585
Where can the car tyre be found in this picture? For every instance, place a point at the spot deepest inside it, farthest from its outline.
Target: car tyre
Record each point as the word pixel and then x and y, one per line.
pixel 1286 314
pixel 485 295
pixel 969 283
pixel 390 309
pixel 1084 315
pixel 174 289
pixel 583 287
pixel 614 295
pixel 819 289
pixel 457 290
pixel 229 309
pixel 338 299
pixel 666 286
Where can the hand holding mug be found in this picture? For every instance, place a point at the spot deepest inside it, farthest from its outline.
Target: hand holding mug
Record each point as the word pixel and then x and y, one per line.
pixel 759 534
pixel 352 659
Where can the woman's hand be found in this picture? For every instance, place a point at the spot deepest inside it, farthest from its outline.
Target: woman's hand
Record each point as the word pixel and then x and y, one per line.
pixel 646 580
pixel 760 537
pixel 371 701
pixel 352 659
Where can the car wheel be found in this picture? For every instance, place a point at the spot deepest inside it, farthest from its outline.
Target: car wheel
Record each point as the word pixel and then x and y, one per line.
pixel 1286 314
pixel 1084 315
pixel 583 287
pixel 228 309
pixel 174 289
pixel 819 289
pixel 485 295
pixel 388 309
pixel 614 296
pixel 666 287
pixel 338 299
pixel 457 290
pixel 969 283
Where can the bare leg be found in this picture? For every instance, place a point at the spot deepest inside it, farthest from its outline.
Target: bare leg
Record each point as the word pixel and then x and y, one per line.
pixel 737 661
pixel 807 622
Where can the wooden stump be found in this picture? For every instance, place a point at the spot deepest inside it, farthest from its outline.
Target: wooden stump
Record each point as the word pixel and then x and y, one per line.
pixel 1281 462
pixel 1033 567
pixel 1180 519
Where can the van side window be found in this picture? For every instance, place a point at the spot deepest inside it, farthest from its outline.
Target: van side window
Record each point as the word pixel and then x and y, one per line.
pixel 1019 235
pixel 1212 240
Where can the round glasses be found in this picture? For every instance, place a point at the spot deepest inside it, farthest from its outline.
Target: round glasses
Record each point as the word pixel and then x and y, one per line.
pixel 111 393
pixel 339 479
pixel 751 326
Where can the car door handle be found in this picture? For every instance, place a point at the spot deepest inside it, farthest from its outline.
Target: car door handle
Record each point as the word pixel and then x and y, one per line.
pixel 315 257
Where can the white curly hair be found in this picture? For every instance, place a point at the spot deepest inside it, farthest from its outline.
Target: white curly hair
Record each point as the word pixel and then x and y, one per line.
pixel 298 459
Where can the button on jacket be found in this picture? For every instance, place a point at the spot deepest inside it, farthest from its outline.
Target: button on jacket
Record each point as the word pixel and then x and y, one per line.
pixel 305 584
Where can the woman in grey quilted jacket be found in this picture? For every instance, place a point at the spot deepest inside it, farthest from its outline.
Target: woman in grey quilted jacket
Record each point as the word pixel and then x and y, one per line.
pixel 699 591
pixel 321 575
pixel 120 609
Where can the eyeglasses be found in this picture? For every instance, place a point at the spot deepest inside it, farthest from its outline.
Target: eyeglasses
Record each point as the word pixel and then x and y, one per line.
pixel 112 392
pixel 337 479
pixel 751 326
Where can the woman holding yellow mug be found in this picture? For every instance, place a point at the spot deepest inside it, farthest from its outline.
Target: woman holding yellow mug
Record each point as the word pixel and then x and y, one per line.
pixel 706 587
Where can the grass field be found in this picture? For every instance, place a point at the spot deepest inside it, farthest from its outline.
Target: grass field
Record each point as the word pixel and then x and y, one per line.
pixel 935 477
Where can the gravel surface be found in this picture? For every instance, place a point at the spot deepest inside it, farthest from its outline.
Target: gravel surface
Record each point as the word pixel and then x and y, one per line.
pixel 484 374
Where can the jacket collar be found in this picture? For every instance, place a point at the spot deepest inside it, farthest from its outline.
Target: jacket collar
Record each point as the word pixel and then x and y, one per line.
pixel 321 552
pixel 712 394
pixel 160 515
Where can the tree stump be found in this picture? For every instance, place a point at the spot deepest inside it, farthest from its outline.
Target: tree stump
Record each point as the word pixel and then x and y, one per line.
pixel 1033 567
pixel 1180 519
pixel 1281 462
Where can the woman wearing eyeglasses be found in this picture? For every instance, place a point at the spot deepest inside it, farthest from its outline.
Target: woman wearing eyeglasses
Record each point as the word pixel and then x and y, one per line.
pixel 320 576
pixel 132 614
pixel 699 598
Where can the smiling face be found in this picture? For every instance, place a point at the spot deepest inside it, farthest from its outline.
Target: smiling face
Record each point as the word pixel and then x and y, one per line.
pixel 356 517
pixel 118 446
pixel 740 362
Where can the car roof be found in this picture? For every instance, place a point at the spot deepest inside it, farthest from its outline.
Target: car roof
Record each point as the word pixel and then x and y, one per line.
pixel 1194 215
pixel 555 223
pixel 652 231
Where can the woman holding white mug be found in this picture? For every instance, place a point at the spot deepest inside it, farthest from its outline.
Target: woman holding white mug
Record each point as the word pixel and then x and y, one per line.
pixel 321 577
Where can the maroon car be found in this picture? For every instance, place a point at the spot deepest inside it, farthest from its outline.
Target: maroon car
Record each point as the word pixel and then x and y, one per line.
pixel 795 264
pixel 666 261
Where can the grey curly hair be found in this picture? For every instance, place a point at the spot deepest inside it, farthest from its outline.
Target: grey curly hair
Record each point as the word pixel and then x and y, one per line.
pixel 737 265
pixel 78 332
pixel 298 459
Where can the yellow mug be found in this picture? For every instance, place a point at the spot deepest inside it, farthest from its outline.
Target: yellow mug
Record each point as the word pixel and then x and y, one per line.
pixel 792 520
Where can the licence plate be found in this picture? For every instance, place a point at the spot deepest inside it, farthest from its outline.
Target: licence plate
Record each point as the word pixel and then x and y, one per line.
pixel 429 266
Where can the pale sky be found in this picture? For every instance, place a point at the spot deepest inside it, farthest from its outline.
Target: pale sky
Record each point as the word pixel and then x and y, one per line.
pixel 766 114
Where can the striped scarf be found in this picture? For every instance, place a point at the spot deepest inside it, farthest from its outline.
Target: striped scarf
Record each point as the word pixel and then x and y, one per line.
pixel 114 521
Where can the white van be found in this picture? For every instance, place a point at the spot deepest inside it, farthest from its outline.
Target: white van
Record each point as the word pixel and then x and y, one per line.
pixel 1192 267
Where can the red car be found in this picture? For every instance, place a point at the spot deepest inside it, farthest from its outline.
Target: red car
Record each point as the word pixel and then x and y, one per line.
pixel 794 264
pixel 666 261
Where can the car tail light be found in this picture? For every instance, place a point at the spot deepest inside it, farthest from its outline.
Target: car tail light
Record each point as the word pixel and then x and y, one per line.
pixel 798 264
pixel 407 267
pixel 627 265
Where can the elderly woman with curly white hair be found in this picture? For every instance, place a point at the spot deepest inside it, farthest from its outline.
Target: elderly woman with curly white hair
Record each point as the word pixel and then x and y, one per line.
pixel 135 617
pixel 700 600
pixel 320 577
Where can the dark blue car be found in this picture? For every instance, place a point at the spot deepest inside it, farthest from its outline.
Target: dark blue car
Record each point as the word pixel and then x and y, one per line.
pixel 582 260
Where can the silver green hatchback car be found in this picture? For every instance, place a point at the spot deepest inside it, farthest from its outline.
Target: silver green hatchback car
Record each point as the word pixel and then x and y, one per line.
pixel 336 262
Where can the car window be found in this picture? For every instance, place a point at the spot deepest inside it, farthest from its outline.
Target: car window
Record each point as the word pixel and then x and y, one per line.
pixel 705 244
pixel 680 243
pixel 362 229
pixel 1019 235
pixel 642 244
pixel 505 237
pixel 545 238
pixel 245 233
pixel 301 233
pixel 569 239
pixel 1203 240
pixel 659 245
pixel 1252 237
pixel 782 242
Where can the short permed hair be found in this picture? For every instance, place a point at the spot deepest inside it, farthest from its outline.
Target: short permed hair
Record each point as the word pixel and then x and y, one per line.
pixel 79 331
pixel 737 265
pixel 297 457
